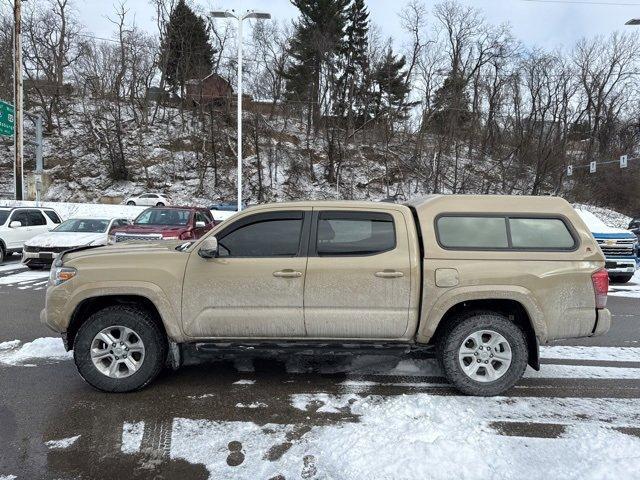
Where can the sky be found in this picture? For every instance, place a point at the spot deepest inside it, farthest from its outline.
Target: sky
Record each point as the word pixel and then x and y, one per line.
pixel 544 23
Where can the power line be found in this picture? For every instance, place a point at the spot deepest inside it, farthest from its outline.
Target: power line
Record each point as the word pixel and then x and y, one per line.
pixel 585 2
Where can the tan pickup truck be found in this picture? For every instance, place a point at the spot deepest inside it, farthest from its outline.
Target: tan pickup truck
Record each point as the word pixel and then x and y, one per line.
pixel 482 279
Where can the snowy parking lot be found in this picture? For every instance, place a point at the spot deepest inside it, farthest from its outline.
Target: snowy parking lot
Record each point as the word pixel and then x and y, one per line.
pixel 325 418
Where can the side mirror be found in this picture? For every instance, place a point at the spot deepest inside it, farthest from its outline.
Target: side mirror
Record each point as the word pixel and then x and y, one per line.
pixel 209 248
pixel 200 224
pixel 15 224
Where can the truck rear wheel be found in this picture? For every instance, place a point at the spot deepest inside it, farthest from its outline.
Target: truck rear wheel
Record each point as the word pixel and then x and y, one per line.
pixel 483 353
pixel 119 349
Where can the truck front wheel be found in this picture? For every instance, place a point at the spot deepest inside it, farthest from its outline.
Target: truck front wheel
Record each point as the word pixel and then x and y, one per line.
pixel 119 349
pixel 483 353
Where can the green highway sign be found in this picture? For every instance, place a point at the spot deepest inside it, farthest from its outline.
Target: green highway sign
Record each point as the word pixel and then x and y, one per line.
pixel 6 119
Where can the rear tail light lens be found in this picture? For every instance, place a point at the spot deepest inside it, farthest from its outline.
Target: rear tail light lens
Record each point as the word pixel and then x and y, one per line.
pixel 600 280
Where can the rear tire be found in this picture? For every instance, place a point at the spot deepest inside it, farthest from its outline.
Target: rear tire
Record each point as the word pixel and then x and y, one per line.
pixel 159 204
pixel 145 333
pixel 621 278
pixel 3 253
pixel 457 351
pixel 131 202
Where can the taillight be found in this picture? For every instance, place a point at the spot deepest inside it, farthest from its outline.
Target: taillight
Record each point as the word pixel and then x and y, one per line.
pixel 600 280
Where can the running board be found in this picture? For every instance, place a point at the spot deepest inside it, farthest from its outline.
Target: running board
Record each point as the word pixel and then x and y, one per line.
pixel 306 348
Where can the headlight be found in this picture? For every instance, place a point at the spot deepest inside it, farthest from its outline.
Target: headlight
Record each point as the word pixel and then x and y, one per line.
pixel 60 275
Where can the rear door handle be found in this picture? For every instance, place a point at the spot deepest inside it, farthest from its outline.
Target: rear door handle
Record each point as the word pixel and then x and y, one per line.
pixel 389 274
pixel 287 273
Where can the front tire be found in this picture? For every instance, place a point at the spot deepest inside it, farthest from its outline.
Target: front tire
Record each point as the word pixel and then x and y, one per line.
pixel 621 278
pixel 483 353
pixel 3 253
pixel 159 204
pixel 120 349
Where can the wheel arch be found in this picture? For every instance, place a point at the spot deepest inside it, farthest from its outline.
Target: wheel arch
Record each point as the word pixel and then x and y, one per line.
pixel 91 305
pixel 510 308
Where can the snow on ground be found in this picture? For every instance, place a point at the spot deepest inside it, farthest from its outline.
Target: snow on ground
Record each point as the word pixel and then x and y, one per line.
pixel 62 443
pixel 132 434
pixel 41 349
pixel 421 436
pixel 21 277
pixel 630 289
pixel 615 354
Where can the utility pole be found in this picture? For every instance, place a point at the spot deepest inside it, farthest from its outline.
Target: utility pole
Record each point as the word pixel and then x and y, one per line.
pixel 240 19
pixel 17 94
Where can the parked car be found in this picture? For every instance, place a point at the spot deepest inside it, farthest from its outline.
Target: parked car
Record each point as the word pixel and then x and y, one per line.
pixel 620 247
pixel 20 224
pixel 148 200
pixel 41 250
pixel 227 206
pixel 166 223
pixel 482 279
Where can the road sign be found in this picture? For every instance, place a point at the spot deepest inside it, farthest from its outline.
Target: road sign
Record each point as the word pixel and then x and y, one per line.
pixel 592 167
pixel 569 170
pixel 6 119
pixel 623 161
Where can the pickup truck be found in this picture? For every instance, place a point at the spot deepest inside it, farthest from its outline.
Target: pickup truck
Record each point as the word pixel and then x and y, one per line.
pixel 619 246
pixel 479 280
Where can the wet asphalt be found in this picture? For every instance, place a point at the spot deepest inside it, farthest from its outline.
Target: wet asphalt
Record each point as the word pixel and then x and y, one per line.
pixel 50 401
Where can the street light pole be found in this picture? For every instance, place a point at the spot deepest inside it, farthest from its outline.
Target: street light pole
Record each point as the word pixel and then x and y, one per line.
pixel 17 94
pixel 240 19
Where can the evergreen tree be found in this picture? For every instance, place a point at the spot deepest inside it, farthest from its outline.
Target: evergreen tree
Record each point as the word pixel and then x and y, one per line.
pixel 186 49
pixel 319 36
pixel 354 64
pixel 451 105
pixel 392 87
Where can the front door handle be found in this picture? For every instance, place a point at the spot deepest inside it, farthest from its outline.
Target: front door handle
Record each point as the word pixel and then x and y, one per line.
pixel 389 274
pixel 287 273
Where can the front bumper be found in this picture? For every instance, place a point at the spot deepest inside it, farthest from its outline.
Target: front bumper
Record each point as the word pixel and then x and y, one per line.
pixel 38 258
pixel 620 265
pixel 603 322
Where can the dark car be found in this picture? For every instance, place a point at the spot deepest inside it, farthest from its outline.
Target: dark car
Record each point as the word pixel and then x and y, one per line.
pixel 227 206
pixel 167 223
pixel 634 226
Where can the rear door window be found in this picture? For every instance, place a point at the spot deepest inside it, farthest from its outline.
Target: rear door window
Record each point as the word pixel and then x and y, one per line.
pixel 343 233
pixel 36 218
pixel 20 216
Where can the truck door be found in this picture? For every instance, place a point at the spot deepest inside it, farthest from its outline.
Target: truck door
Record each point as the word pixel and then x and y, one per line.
pixel 255 287
pixel 358 281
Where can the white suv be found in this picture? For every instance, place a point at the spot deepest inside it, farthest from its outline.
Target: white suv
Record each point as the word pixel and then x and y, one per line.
pixel 148 200
pixel 19 224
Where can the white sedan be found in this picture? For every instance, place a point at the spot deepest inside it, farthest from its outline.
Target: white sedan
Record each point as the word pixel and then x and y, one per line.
pixel 41 250
pixel 148 200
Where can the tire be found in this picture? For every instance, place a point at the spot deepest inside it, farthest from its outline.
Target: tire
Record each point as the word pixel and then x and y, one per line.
pixel 3 253
pixel 621 278
pixel 150 361
pixel 159 204
pixel 35 267
pixel 493 327
pixel 131 202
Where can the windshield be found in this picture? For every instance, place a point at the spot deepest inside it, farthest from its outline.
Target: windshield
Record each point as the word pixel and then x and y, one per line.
pixel 163 216
pixel 4 214
pixel 83 225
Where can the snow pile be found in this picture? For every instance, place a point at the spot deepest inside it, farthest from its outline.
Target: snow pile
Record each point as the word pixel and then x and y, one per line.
pixel 62 443
pixel 607 216
pixel 82 210
pixel 47 348
pixel 68 210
